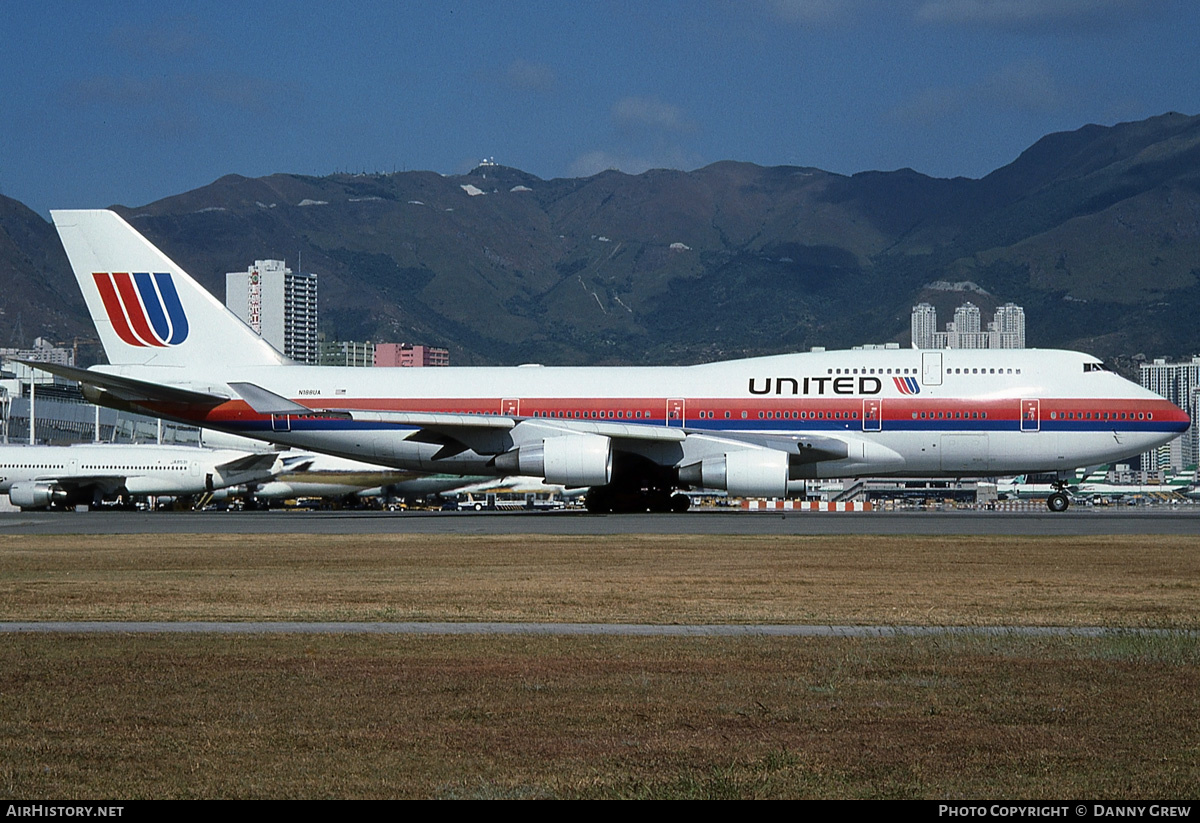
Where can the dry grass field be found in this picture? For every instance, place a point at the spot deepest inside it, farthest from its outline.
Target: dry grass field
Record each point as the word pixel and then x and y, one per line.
pixel 1106 581
pixel 957 717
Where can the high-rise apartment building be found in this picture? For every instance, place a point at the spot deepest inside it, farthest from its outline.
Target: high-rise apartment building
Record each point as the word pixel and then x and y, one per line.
pixel 967 319
pixel 1179 383
pixel 924 325
pixel 278 304
pixel 1006 331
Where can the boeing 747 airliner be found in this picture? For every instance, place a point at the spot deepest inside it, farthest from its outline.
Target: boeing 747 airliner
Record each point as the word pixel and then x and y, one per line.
pixel 632 436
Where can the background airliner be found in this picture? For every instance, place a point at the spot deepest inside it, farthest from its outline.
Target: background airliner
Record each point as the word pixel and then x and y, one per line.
pixel 306 475
pixel 39 477
pixel 303 474
pixel 633 436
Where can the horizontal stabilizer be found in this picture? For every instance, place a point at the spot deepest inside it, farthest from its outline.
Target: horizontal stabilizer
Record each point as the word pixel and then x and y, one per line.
pixel 128 389
pixel 300 463
pixel 258 462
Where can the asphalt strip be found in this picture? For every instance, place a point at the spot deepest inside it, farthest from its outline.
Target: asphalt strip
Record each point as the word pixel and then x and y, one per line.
pixel 573 629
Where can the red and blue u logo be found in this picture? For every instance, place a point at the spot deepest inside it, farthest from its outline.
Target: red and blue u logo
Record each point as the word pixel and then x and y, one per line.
pixel 144 308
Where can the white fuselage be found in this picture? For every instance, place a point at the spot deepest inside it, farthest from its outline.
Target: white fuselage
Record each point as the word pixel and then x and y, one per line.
pixel 746 426
pixel 322 475
pixel 911 412
pixel 83 472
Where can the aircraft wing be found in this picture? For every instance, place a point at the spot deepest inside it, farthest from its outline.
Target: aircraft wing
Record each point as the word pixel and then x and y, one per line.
pixel 447 423
pixel 485 433
pixel 456 433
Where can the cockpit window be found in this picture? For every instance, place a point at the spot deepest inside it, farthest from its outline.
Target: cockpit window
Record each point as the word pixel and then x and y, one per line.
pixel 1087 367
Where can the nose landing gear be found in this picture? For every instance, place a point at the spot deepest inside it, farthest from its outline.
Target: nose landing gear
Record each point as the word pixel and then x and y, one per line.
pixel 1058 502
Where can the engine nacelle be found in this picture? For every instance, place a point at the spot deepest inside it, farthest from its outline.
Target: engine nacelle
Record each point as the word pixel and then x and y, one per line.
pixel 30 495
pixel 574 460
pixel 743 473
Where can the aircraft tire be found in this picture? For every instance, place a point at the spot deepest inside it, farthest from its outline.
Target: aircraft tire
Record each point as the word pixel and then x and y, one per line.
pixel 1058 502
pixel 658 502
pixel 597 501
pixel 680 503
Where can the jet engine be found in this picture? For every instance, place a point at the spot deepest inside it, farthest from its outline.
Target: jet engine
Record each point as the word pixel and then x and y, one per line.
pixel 573 460
pixel 32 495
pixel 744 473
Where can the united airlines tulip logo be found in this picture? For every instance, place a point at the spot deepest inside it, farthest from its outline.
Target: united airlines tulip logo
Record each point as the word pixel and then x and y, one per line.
pixel 144 308
pixel 907 385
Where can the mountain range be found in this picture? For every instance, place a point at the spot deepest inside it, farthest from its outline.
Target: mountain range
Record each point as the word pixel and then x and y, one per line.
pixel 1096 232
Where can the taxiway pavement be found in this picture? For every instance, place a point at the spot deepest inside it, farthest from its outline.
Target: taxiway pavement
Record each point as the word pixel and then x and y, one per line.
pixel 1151 521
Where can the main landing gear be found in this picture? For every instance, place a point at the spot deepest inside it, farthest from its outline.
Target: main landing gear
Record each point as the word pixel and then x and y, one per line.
pixel 607 499
pixel 637 485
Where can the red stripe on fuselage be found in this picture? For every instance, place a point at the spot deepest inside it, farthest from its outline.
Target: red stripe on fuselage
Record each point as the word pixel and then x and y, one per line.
pixel 894 410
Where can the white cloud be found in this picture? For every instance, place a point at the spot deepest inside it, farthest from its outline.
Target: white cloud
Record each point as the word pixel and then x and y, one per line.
pixel 528 75
pixel 1025 86
pixel 167 92
pixel 173 37
pixel 816 12
pixel 652 113
pixel 124 91
pixel 1052 15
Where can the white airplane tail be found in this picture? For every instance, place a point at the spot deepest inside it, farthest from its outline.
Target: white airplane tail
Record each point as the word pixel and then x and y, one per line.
pixel 147 310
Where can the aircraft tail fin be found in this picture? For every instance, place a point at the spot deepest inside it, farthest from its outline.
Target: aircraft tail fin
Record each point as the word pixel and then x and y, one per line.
pixel 147 310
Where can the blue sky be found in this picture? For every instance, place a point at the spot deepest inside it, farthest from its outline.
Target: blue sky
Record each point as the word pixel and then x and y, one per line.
pixel 127 102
